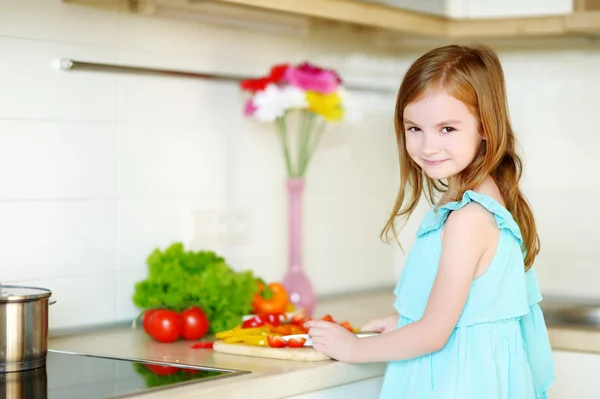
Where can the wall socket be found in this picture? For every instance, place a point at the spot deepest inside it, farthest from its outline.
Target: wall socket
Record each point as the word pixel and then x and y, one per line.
pixel 216 229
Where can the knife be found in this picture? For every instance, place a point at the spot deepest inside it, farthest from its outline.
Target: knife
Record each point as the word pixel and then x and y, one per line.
pixel 360 334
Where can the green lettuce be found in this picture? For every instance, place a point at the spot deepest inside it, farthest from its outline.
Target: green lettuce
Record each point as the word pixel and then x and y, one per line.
pixel 178 279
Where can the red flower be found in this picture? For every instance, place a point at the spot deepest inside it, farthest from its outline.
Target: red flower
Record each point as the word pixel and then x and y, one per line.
pixel 275 76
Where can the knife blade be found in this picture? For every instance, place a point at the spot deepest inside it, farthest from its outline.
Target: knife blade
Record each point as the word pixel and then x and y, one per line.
pixel 308 342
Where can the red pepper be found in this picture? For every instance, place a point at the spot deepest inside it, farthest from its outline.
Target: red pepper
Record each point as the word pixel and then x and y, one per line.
pixel 203 345
pixel 296 342
pixel 276 341
pixel 273 319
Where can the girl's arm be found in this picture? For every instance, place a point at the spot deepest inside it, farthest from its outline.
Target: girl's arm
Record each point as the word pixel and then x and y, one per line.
pixel 468 233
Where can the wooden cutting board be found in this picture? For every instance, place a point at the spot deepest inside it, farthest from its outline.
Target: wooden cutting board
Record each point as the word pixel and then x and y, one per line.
pixel 305 354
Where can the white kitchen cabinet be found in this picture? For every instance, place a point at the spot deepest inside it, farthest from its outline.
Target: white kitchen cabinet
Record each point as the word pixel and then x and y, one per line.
pixel 436 7
pixel 365 389
pixel 577 376
pixel 508 8
pixel 483 8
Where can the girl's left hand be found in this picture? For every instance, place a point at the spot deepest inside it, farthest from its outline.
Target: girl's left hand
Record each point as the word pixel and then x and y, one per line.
pixel 332 340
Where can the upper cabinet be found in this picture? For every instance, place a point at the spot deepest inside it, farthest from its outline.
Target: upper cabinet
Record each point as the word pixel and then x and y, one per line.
pixel 438 19
pixel 461 9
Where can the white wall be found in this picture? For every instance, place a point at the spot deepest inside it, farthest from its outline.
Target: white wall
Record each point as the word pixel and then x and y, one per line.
pixel 98 169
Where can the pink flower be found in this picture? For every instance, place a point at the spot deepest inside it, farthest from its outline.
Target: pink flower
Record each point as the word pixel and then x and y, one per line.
pixel 249 108
pixel 310 77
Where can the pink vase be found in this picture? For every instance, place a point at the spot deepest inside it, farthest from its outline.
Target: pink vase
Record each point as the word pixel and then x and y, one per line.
pixel 295 281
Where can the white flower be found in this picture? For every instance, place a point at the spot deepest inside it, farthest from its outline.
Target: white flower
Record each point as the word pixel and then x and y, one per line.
pixel 352 110
pixel 273 101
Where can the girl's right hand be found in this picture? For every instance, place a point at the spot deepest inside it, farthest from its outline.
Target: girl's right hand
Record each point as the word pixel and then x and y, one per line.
pixel 382 324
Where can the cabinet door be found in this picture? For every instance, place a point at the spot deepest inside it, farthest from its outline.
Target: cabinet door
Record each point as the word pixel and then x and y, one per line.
pixel 509 8
pixel 365 389
pixel 577 376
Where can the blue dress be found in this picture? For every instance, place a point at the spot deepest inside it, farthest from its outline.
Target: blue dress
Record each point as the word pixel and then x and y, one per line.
pixel 499 348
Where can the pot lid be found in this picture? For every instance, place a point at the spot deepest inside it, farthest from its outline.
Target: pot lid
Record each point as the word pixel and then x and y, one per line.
pixel 19 293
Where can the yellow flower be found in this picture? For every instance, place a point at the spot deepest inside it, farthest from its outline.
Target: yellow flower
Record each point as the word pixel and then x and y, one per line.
pixel 329 106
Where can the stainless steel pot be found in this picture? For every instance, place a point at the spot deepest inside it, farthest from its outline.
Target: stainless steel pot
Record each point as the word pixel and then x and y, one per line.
pixel 23 327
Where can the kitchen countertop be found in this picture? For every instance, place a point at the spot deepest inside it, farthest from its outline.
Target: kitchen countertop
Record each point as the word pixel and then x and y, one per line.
pixel 270 378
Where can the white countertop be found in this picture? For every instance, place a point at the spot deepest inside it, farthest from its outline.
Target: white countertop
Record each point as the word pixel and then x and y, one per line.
pixel 271 378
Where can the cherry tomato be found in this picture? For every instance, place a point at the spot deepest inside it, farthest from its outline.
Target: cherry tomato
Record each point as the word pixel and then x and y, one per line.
pixel 146 317
pixel 164 325
pixel 203 345
pixel 162 370
pixel 195 323
pixel 296 342
pixel 276 341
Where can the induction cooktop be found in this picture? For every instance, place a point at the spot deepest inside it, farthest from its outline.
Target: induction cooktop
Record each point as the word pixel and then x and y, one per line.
pixel 69 375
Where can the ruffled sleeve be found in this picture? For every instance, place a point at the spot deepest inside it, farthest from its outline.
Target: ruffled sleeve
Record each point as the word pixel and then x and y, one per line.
pixel 504 219
pixel 535 336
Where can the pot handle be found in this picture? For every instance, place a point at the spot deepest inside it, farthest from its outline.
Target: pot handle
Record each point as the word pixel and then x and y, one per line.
pixel 52 302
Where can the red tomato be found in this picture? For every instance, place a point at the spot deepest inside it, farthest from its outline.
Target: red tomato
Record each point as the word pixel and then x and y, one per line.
pixel 296 342
pixel 328 317
pixel 195 323
pixel 203 345
pixel 164 325
pixel 146 317
pixel 162 370
pixel 276 341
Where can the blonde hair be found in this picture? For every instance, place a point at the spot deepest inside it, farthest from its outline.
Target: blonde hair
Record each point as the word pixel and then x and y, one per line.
pixel 473 75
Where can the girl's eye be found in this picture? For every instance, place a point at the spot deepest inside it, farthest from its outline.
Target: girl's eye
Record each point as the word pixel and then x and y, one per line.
pixel 413 129
pixel 448 129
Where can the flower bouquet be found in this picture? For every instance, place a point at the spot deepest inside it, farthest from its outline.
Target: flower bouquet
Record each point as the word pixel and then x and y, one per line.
pixel 308 97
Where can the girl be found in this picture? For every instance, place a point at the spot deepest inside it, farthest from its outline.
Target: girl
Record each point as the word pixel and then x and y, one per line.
pixel 468 324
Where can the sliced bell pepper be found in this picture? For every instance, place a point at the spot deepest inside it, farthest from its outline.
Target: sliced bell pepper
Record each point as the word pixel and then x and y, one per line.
pixel 258 320
pixel 296 342
pixel 276 341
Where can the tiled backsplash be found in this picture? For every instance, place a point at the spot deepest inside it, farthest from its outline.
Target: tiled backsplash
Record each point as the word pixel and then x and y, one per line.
pixel 98 169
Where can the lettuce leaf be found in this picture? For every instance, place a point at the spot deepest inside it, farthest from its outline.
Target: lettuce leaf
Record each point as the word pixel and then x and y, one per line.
pixel 178 279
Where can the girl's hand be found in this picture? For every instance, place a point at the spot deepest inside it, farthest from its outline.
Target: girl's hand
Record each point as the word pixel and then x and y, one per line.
pixel 382 324
pixel 332 340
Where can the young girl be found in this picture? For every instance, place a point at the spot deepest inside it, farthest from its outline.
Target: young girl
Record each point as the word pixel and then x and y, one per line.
pixel 468 324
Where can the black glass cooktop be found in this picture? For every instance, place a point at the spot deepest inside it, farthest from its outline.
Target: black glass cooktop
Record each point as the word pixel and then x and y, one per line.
pixel 76 376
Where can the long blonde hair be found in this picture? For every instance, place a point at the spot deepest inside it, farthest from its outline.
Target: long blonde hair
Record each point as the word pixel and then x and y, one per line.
pixel 473 75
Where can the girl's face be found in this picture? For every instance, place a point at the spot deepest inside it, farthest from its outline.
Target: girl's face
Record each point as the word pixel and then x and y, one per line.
pixel 441 134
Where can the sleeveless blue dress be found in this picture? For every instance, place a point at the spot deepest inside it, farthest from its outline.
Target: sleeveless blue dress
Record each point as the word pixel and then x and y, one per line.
pixel 499 348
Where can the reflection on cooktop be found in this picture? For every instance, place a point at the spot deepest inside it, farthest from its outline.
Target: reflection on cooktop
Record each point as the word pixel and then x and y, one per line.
pixel 76 376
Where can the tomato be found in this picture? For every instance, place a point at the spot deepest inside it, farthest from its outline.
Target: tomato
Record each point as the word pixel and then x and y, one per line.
pixel 296 342
pixel 270 299
pixel 276 341
pixel 194 323
pixel 162 370
pixel 203 345
pixel 146 317
pixel 164 325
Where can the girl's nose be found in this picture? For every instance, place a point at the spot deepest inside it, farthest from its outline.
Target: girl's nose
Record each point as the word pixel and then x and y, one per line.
pixel 430 144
